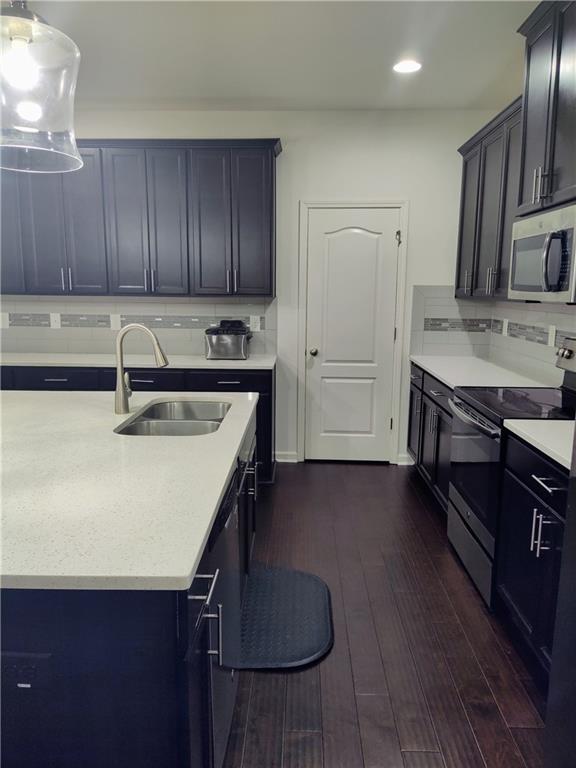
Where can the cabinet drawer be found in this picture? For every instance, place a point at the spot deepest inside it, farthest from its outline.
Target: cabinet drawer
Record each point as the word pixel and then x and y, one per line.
pixel 229 381
pixel 146 380
pixel 548 481
pixel 56 378
pixel 416 376
pixel 439 393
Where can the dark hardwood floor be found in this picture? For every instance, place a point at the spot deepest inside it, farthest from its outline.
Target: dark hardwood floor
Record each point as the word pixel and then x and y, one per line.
pixel 420 676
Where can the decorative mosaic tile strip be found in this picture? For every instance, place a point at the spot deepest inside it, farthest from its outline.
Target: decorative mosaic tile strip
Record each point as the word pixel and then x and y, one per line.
pixel 33 319
pixel 462 324
pixel 84 321
pixel 536 333
pixel 198 322
pixel 561 336
pixel 497 326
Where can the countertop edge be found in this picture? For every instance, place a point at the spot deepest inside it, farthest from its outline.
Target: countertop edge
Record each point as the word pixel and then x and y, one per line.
pixel 518 428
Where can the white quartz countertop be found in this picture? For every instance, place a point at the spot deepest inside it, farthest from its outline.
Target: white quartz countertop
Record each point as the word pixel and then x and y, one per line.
pixel 553 438
pixel 254 362
pixel 470 371
pixel 86 508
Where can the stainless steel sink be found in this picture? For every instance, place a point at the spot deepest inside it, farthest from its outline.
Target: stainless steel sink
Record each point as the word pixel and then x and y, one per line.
pixel 174 418
pixel 167 428
pixel 176 410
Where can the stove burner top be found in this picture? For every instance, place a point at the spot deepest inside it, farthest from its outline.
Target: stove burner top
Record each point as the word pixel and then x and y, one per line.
pixel 499 403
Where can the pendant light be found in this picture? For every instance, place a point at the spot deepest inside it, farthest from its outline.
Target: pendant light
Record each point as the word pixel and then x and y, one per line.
pixel 38 72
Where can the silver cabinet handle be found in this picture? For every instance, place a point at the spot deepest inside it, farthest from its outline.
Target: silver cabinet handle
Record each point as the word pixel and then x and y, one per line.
pixel 465 282
pixel 539 546
pixel 153 280
pixel 143 381
pixel 235 280
pixel 146 280
pixel 539 184
pixel 488 280
pixel 227 281
pixel 431 421
pixel 219 617
pixel 533 534
pixel 414 377
pixel 48 380
pixel 208 597
pixel 493 279
pixel 534 176
pixel 62 279
pixel 227 382
pixel 549 489
pixel 437 394
pixel 70 278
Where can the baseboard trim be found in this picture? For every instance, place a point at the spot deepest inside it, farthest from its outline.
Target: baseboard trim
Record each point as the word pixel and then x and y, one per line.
pixel 287 457
pixel 404 460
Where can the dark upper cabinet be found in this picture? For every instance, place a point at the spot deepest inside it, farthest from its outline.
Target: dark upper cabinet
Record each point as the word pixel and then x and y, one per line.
pixel 83 195
pixel 12 252
pixel 252 221
pixel 548 161
pixel 167 219
pixel 211 221
pixel 127 219
pixel 488 206
pixel 43 232
pixel 510 205
pixel 468 217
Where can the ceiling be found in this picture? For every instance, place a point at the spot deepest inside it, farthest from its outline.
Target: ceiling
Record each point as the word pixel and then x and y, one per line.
pixel 293 55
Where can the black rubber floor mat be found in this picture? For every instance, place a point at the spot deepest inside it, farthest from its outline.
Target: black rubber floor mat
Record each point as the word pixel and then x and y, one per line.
pixel 286 619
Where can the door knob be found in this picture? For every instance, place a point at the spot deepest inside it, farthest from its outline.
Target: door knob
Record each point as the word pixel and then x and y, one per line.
pixel 313 352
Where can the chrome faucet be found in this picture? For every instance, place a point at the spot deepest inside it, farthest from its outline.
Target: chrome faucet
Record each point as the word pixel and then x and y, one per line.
pixel 123 389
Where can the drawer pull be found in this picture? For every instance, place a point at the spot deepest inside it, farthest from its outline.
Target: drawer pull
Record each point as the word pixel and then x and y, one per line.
pixel 227 382
pixel 549 489
pixel 143 381
pixel 48 380
pixel 414 377
pixel 435 393
pixel 206 598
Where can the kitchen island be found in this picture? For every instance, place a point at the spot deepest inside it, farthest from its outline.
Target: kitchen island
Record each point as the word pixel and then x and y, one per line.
pixel 110 548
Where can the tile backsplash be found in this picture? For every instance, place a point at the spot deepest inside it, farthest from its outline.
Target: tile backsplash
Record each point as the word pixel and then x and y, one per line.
pixel 90 325
pixel 516 335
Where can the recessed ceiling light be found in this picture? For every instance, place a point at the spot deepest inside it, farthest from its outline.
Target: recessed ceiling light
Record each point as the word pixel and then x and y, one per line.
pixel 407 65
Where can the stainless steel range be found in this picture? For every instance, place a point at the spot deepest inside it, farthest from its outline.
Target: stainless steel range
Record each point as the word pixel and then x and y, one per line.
pixel 479 413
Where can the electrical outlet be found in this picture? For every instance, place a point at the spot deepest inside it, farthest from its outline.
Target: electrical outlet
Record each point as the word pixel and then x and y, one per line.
pixel 254 323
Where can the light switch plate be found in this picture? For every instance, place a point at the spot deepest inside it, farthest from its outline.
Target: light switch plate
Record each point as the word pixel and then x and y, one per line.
pixel 254 323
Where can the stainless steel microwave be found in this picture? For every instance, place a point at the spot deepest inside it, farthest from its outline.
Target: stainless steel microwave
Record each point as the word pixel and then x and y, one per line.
pixel 543 262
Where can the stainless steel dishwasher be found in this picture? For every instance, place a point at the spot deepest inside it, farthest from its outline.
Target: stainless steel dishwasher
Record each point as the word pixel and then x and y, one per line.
pixel 224 559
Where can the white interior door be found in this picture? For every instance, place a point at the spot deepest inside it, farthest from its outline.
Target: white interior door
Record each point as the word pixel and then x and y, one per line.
pixel 352 266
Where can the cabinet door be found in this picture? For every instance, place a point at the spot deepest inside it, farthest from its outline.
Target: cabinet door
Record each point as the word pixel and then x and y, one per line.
pixel 489 198
pixel 42 206
pixel 468 217
pixel 198 698
pixel 563 177
pixel 427 462
pixel 211 221
pixel 86 271
pixel 519 571
pixel 252 221
pixel 414 421
pixel 536 109
pixel 12 252
pixel 167 216
pixel 510 203
pixel 127 220
pixel 552 560
pixel 443 429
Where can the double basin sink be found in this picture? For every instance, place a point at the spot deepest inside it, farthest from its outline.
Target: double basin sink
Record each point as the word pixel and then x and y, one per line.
pixel 175 417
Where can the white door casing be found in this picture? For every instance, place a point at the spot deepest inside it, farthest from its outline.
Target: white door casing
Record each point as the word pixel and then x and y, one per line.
pixel 351 308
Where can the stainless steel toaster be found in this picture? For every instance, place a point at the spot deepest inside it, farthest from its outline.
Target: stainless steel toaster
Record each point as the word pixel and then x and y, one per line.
pixel 228 341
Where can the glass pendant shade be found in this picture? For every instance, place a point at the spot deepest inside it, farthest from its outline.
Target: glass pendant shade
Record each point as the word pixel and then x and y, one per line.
pixel 38 73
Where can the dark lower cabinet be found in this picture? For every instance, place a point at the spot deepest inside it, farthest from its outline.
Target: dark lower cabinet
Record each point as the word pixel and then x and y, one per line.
pixel 529 553
pixel 430 432
pixel 414 419
pixel 198 747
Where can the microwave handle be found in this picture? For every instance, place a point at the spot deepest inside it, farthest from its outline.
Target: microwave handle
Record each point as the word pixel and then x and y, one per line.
pixel 559 235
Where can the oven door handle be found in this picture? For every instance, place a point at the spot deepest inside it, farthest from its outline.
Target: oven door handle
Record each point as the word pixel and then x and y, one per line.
pixel 460 414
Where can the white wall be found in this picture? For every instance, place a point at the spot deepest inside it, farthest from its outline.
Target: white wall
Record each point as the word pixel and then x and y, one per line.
pixel 334 156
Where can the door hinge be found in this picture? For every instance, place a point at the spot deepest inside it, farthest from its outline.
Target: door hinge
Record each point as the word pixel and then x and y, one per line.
pixel 399 236
pixel 391 423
